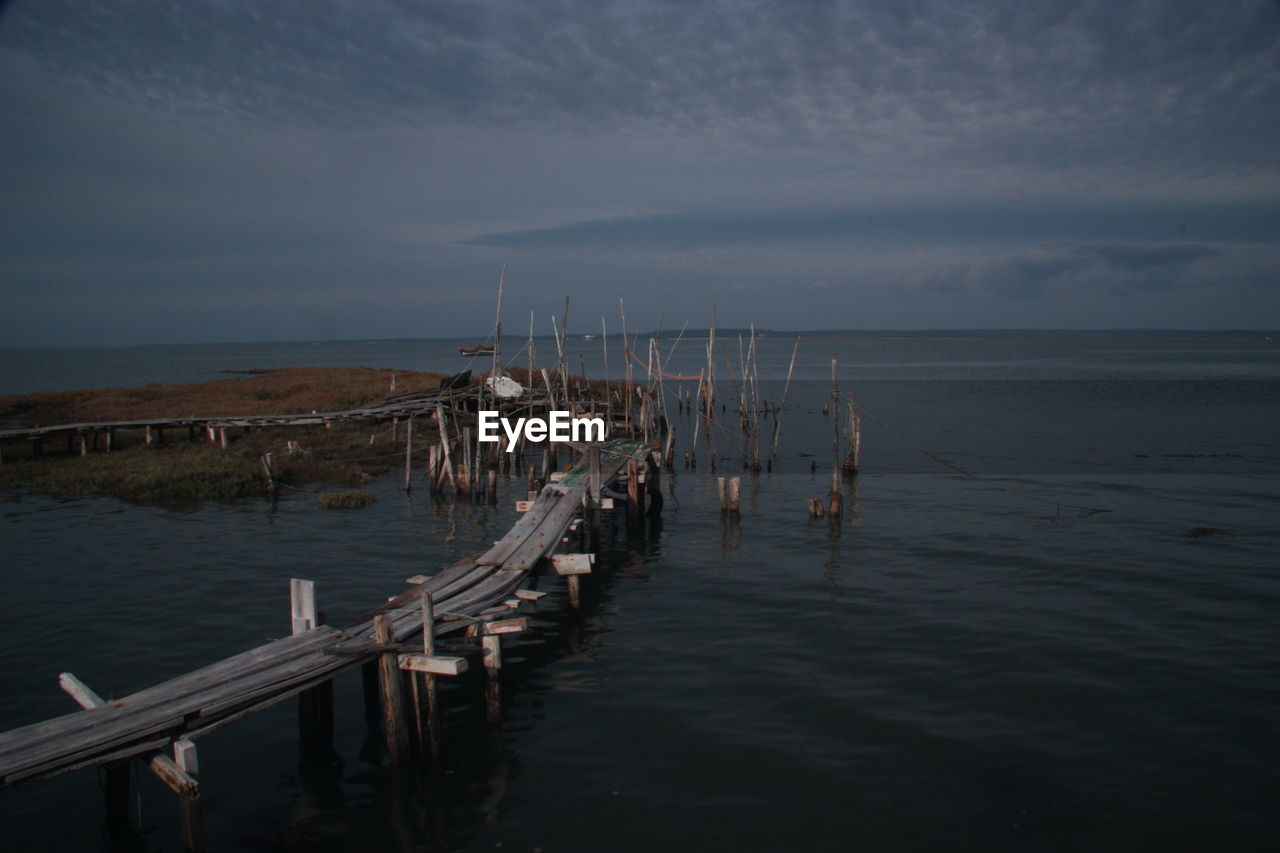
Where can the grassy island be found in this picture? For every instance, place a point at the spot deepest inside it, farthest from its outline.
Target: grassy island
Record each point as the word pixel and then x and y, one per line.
pixel 180 469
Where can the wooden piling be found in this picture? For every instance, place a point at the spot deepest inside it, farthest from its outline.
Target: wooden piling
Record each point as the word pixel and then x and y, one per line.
pixel 192 816
pixel 491 646
pixel 735 496
pixel 389 684
pixel 835 501
pixel 444 444
pixel 429 679
pixel 634 509
pixel 266 469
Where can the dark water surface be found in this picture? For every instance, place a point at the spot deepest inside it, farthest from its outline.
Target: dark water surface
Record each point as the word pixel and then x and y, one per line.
pixel 954 666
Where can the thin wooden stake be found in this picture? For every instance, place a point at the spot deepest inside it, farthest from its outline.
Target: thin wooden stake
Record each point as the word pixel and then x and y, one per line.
pixel 408 453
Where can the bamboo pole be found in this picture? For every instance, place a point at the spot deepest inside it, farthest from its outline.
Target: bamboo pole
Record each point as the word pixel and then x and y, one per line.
pixel 786 388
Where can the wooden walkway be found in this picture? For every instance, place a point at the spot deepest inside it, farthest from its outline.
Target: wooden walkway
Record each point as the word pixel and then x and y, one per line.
pixel 477 590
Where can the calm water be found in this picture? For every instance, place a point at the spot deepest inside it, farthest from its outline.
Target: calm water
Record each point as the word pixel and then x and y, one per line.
pixel 952 667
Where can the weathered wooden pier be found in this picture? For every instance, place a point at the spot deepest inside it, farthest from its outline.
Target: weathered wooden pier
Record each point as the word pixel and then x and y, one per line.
pixel 478 597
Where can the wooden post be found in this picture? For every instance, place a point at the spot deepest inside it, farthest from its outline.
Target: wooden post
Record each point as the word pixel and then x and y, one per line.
pixel 408 453
pixel 593 468
pixel 150 437
pixel 444 445
pixel 222 437
pixel 302 605
pixel 266 468
pixel 315 705
pixel 491 644
pixel 836 501
pixel 84 445
pixel 111 439
pixel 392 695
pixel 433 689
pixel 735 496
pixel 491 488
pixel 633 488
pixel 433 467
pixel 184 755
pixel 574 584
pixel 724 494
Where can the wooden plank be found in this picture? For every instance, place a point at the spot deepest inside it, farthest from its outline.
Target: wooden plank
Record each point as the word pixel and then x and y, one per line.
pixel 514 625
pixel 166 769
pixel 162 699
pixel 572 564
pixel 546 537
pixel 433 664
pixel 521 530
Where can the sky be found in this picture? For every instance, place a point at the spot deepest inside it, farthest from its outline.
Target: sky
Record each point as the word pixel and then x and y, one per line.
pixel 178 172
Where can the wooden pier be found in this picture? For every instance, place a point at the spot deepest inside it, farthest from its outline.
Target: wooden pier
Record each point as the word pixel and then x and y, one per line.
pixel 476 597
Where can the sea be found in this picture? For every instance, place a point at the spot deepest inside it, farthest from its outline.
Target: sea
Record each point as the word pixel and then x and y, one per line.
pixel 1047 620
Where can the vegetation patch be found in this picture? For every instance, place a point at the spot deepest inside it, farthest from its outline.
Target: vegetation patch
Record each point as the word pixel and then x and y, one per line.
pixel 186 466
pixel 344 500
pixel 287 391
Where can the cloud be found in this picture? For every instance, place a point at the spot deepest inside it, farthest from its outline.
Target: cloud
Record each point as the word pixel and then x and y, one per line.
pixel 1012 161
pixel 973 222
pixel 1059 82
pixel 1117 268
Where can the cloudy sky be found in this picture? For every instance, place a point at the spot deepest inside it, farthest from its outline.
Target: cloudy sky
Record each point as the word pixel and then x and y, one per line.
pixel 242 171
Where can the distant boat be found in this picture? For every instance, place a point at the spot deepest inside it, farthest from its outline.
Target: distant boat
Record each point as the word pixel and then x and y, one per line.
pixel 482 349
pixel 588 337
